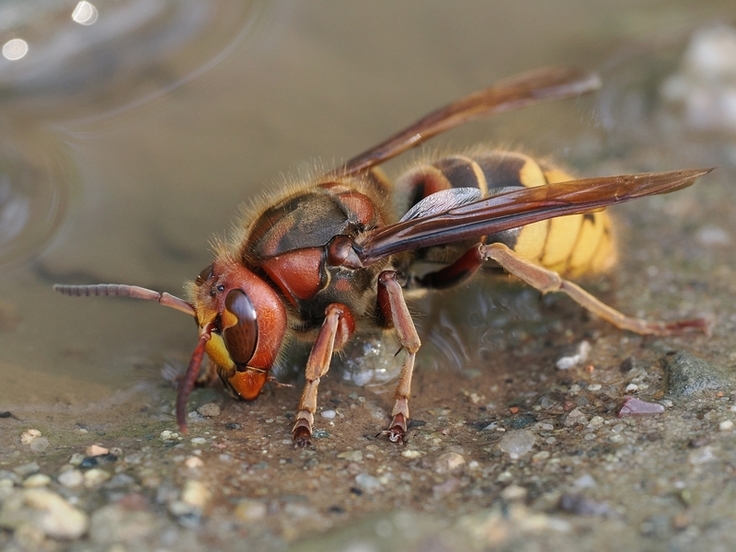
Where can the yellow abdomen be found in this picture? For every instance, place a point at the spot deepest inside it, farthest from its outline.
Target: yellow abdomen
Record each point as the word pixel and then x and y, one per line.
pixel 572 245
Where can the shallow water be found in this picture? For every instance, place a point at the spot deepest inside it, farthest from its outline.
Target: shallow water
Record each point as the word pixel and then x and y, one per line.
pixel 127 149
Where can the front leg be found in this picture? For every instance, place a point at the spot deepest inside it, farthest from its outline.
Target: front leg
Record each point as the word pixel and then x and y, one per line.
pixel 393 306
pixel 335 331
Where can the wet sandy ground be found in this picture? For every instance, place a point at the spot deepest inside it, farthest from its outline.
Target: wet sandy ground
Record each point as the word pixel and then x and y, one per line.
pixel 506 451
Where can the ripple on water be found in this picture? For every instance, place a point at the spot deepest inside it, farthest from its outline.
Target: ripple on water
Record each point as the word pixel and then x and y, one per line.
pixel 35 178
pixel 69 61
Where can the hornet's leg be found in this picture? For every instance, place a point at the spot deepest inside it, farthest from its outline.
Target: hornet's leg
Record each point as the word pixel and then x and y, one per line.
pixel 546 281
pixel 392 305
pixel 335 331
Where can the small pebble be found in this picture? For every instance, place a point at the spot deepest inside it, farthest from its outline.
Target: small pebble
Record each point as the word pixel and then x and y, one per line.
pixel 96 450
pixel 504 477
pixel 198 441
pixel 250 510
pixel 167 435
pixel 71 478
pixel 76 459
pixel 517 443
pixel 367 482
pixel 328 414
pixel 449 462
pixel 636 407
pixel 37 480
pixel 26 469
pixel 195 493
pixel 95 477
pixel 351 455
pixel 725 425
pixel 29 435
pixel 585 481
pixel 120 481
pixel 10 477
pixel 575 417
pixel 701 455
pixel 193 416
pixel 411 453
pixel 193 462
pixel 513 493
pixel 95 461
pixel 188 515
pixel 713 236
pixel 209 410
pixel 570 361
pixel 40 444
pixel 595 421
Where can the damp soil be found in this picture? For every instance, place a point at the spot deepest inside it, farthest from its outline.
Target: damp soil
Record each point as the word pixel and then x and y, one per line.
pixel 514 454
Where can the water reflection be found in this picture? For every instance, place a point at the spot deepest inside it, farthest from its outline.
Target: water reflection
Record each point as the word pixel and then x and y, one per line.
pixel 64 61
pixel 68 60
pixel 467 326
pixel 35 178
pixel 85 13
pixel 15 49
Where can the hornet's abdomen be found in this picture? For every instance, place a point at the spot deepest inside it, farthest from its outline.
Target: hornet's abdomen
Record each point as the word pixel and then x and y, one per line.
pixel 571 245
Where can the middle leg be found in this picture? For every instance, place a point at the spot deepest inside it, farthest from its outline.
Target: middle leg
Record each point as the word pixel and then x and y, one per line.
pixel 335 331
pixel 393 306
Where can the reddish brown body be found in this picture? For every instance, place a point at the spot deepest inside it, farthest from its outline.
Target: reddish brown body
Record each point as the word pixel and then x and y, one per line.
pixel 302 243
pixel 331 254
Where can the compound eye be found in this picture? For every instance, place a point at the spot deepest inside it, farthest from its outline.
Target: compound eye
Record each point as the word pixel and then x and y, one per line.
pixel 241 339
pixel 205 275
